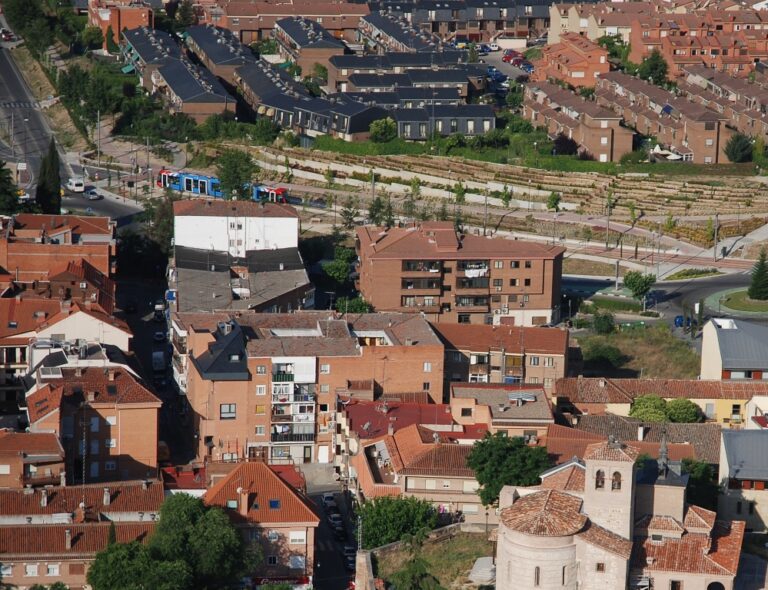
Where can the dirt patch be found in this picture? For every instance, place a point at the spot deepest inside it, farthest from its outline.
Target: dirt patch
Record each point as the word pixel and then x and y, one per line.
pixel 576 266
pixel 61 123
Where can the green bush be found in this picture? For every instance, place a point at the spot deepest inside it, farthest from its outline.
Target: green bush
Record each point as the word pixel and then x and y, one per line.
pixel 603 323
pixel 603 353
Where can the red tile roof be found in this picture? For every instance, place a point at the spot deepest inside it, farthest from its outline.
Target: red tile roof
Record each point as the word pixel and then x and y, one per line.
pixel 183 478
pixel 82 270
pixel 50 539
pixel 611 451
pixel 379 416
pixel 548 513
pixel 697 517
pixel 70 388
pixel 262 486
pixel 624 391
pixel 659 523
pixel 598 536
pixel 124 497
pixel 569 479
pixel 513 339
pixel 219 208
pixel 694 553
pixel 30 443
pixel 77 223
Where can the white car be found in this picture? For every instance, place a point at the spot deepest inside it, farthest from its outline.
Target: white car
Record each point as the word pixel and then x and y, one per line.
pixel 494 47
pixel 92 195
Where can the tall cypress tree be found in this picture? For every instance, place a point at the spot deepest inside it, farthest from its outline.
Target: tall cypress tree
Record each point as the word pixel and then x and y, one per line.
pixel 49 182
pixel 758 288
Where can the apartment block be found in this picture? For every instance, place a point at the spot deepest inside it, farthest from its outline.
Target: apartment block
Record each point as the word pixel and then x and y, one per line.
pixel 31 245
pixel 596 19
pixel 267 510
pixel 574 60
pixel 598 130
pixel 458 278
pixel 692 131
pixel 97 412
pixel 219 50
pixel 306 43
pixel 476 353
pixel 30 459
pixel 113 17
pixel 267 385
pixel 386 32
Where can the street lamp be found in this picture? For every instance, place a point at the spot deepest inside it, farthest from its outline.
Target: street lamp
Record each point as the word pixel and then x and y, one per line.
pixel 486 521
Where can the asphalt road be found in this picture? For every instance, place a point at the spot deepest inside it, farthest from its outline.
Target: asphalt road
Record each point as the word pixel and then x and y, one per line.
pixel 119 209
pixel 31 133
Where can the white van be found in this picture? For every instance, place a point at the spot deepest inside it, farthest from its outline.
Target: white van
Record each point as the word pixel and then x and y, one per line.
pixel 76 184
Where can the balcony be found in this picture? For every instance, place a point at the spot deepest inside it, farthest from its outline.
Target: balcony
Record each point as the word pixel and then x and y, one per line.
pixel 291 437
pixel 282 377
pixel 421 267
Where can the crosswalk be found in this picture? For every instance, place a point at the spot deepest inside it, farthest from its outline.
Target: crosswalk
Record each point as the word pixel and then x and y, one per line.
pixel 20 104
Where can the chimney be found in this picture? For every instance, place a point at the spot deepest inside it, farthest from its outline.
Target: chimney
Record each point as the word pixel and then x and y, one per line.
pixel 601 383
pixel 87 304
pixel 145 485
pixel 78 371
pixel 68 539
pixel 111 374
pixel 62 478
pixel 107 497
pixel 390 429
pixel 43 497
pixel 243 501
pixel 641 432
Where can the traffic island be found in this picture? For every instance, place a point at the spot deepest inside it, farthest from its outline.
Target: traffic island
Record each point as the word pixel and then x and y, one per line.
pixel 737 302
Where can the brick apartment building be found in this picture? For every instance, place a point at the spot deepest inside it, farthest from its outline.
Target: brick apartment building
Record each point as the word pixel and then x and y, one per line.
pixel 575 60
pixel 31 245
pixel 101 410
pixel 306 43
pixel 114 16
pixel 219 50
pixel 268 384
pixel 453 277
pixel 269 511
pixel 694 132
pixel 30 459
pixel 255 20
pixel 598 130
pixel 596 19
pixel 503 354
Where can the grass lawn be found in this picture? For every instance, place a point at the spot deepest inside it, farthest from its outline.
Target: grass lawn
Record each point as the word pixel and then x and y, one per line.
pixel 576 266
pixel 655 352
pixel 449 560
pixel 692 273
pixel 740 301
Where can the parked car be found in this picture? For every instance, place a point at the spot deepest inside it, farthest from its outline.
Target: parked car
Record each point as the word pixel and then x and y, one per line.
pixel 494 47
pixel 327 497
pixel 159 316
pixel 681 321
pixel 340 533
pixel 349 550
pixel 331 506
pixel 335 520
pixel 491 70
pixel 349 562
pixel 93 195
pixel 518 60
pixel 159 336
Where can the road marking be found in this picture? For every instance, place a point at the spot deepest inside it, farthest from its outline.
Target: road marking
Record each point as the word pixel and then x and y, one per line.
pixel 20 104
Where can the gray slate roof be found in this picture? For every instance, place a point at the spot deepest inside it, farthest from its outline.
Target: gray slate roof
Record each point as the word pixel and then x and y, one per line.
pixel 746 453
pixel 220 45
pixel 308 33
pixel 193 84
pixel 743 346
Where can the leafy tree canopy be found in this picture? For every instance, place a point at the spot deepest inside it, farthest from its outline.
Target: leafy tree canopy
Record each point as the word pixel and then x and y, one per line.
pixel 683 410
pixel 639 284
pixel 9 200
pixel 654 68
pixel 702 487
pixel 652 408
pixel 383 130
pixel 353 305
pixel 48 194
pixel 499 460
pixel 349 212
pixel 739 148
pixel 387 519
pixel 236 170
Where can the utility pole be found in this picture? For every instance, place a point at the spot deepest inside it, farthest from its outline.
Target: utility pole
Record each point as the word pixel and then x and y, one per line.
pixel 714 250
pixel 608 204
pixel 485 216
pixel 98 138
pixel 13 141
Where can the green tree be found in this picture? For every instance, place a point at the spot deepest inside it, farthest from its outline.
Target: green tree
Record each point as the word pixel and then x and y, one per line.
pixel 388 215
pixel 500 460
pixel 702 487
pixel 669 223
pixel 9 200
pixel 409 206
pixel 236 170
pixel 320 72
pixel 654 68
pixel 709 230
pixel 92 38
pixel 131 567
pixel 739 148
pixel 337 270
pixel 388 518
pixel 112 537
pixel 442 213
pixel 514 98
pixel 472 55
pixel 329 176
pixel 383 130
pixel 48 194
pixel 603 323
pixel 416 187
pixel 158 213
pixel 553 201
pixel 349 213
pixel 639 284
pixel 352 305
pixel 758 286
pixel 683 411
pixel 602 354
pixel 649 408
pixel 460 193
pixel 112 46
pixel 185 15
pixel 376 211
pixel 415 575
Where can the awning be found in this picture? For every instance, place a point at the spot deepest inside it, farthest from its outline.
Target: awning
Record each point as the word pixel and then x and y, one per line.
pixel 127 69
pixel 262 109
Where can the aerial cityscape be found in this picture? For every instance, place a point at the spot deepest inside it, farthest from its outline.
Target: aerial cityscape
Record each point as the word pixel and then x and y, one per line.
pixel 383 295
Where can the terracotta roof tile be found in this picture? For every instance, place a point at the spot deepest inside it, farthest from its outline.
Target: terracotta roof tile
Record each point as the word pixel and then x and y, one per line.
pixel 570 479
pixel 610 451
pixel 697 517
pixel 30 443
pixel 263 487
pixel 596 535
pixel 49 540
pixel 398 415
pixel 78 224
pixel 70 388
pixel 219 208
pixel 659 523
pixel 513 339
pixel 548 513
pixel 619 391
pixel 124 497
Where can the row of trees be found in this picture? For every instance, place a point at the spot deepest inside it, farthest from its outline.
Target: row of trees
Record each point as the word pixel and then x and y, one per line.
pixel 652 408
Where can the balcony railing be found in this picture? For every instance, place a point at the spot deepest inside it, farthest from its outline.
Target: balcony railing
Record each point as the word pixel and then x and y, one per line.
pixel 292 437
pixel 292 398
pixel 282 377
pixel 283 418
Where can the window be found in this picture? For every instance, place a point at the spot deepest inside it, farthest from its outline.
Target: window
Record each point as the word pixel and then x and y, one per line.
pixel 710 142
pixel 6 571
pixel 110 443
pixel 227 411
pixel 30 569
pixel 273 536
pixel 616 481
pixel 325 369
pixel 603 141
pixel 259 430
pixel 466 412
pixel 527 282
pixel 498 264
pixel 548 382
pixel 272 560
pixel 261 369
pixel 534 361
pixel 5 469
pixel 549 361
pixel 95 424
pixel 261 390
pixel 536 576
pixel 675 585
pixel 600 567
pixel 297 562
pixel 110 465
pixel 95 446
pixel 274 504
pixel 463 318
pixel 599 479
pixel 112 420
pixel 52 569
pixel 528 264
pixel 427 367
pixel 513 282
pixel 325 388
pixel 514 264
pixel 261 409
pixel 657 538
pixel 430 484
pixel 425 386
pixel 297 538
